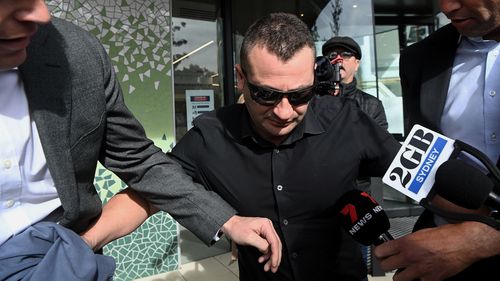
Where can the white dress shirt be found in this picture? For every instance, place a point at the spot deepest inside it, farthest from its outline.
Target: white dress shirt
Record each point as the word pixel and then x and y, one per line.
pixel 27 191
pixel 472 109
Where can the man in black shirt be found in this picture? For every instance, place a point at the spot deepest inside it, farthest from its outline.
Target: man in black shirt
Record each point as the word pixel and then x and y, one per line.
pixel 287 155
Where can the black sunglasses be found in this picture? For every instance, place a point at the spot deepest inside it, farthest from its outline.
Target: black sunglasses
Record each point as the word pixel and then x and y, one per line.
pixel 270 97
pixel 344 55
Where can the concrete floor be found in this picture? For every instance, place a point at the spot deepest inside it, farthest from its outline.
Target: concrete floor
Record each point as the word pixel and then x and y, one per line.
pixel 215 268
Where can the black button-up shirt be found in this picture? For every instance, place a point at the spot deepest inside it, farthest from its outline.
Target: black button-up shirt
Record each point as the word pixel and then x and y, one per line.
pixel 295 184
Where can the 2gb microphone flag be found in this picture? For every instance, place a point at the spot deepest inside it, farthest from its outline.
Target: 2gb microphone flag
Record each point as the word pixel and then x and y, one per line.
pixel 413 170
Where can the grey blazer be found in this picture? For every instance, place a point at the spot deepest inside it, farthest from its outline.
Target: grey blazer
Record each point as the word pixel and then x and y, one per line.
pixel 77 104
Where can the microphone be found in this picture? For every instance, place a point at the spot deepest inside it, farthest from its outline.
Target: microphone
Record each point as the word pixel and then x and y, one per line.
pixel 413 172
pixel 363 218
pixel 466 186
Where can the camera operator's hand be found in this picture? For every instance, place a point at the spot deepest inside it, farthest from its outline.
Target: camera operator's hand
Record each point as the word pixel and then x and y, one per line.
pixel 337 60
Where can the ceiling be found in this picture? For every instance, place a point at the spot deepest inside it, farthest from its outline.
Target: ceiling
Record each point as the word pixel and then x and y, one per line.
pixel 406 7
pixel 392 11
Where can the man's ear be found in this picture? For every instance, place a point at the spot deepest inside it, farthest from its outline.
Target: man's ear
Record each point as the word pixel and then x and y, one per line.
pixel 357 65
pixel 240 78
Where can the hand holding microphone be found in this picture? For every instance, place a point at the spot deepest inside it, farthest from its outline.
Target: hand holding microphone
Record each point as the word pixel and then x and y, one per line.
pixel 413 173
pixel 436 253
pixel 364 219
pixel 421 170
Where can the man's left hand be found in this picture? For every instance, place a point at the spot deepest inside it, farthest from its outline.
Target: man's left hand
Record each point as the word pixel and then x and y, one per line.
pixel 257 232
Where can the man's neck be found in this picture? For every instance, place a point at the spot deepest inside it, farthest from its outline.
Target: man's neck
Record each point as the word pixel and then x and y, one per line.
pixel 347 80
pixel 276 140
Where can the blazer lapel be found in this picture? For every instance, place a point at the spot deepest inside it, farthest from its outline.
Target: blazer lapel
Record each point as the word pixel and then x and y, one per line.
pixel 436 77
pixel 433 96
pixel 46 81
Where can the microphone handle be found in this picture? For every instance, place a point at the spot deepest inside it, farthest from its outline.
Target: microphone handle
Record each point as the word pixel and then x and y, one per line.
pixel 493 201
pixel 384 237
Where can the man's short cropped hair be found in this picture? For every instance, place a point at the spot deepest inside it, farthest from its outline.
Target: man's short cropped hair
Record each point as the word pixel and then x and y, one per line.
pixel 281 34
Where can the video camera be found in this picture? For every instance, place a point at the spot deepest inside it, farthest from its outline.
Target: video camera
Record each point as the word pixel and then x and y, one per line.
pixel 327 75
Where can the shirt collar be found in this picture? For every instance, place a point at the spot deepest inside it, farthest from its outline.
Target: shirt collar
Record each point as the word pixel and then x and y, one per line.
pixel 349 88
pixel 476 40
pixel 246 128
pixel 8 70
pixel 480 39
pixel 477 44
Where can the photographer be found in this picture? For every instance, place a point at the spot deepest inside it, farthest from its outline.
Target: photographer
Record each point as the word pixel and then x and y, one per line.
pixel 344 54
pixel 335 72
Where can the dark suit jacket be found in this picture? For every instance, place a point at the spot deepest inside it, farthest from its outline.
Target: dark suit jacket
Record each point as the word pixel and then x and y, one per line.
pixel 76 102
pixel 425 71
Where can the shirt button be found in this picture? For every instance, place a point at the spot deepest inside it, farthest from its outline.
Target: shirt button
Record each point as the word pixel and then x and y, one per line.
pixel 493 137
pixel 295 255
pixel 495 53
pixel 277 151
pixel 279 187
pixel 7 164
pixel 285 222
pixel 8 203
pixel 493 93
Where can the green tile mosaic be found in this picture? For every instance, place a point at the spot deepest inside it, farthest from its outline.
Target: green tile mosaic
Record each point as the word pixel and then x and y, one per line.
pixel 151 249
pixel 136 35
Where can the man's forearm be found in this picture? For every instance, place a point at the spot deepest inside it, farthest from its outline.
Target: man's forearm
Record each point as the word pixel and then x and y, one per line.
pixel 488 239
pixel 120 216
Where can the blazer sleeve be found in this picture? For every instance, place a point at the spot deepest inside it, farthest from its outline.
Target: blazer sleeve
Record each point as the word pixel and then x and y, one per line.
pixel 145 168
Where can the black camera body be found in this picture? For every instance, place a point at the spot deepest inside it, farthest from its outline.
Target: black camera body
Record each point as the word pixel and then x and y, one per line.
pixel 327 76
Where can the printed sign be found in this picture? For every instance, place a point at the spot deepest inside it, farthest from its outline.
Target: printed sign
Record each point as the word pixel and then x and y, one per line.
pixel 413 170
pixel 198 102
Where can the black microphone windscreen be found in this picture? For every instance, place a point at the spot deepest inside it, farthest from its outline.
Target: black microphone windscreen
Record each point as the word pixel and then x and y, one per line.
pixel 462 184
pixel 362 217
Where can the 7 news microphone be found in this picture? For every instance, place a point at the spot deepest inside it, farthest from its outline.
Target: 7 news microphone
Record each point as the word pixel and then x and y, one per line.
pixel 363 218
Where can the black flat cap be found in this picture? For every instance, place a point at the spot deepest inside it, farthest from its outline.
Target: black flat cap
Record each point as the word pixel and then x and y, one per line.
pixel 342 41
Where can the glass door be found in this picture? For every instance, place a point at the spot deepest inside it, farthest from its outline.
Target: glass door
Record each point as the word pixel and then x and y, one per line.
pixel 196 49
pixel 390 39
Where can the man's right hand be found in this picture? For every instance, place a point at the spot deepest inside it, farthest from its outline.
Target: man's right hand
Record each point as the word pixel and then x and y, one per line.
pixel 259 233
pixel 439 252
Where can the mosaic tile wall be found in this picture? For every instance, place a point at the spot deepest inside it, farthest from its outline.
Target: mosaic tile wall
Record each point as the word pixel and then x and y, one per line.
pixel 137 36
